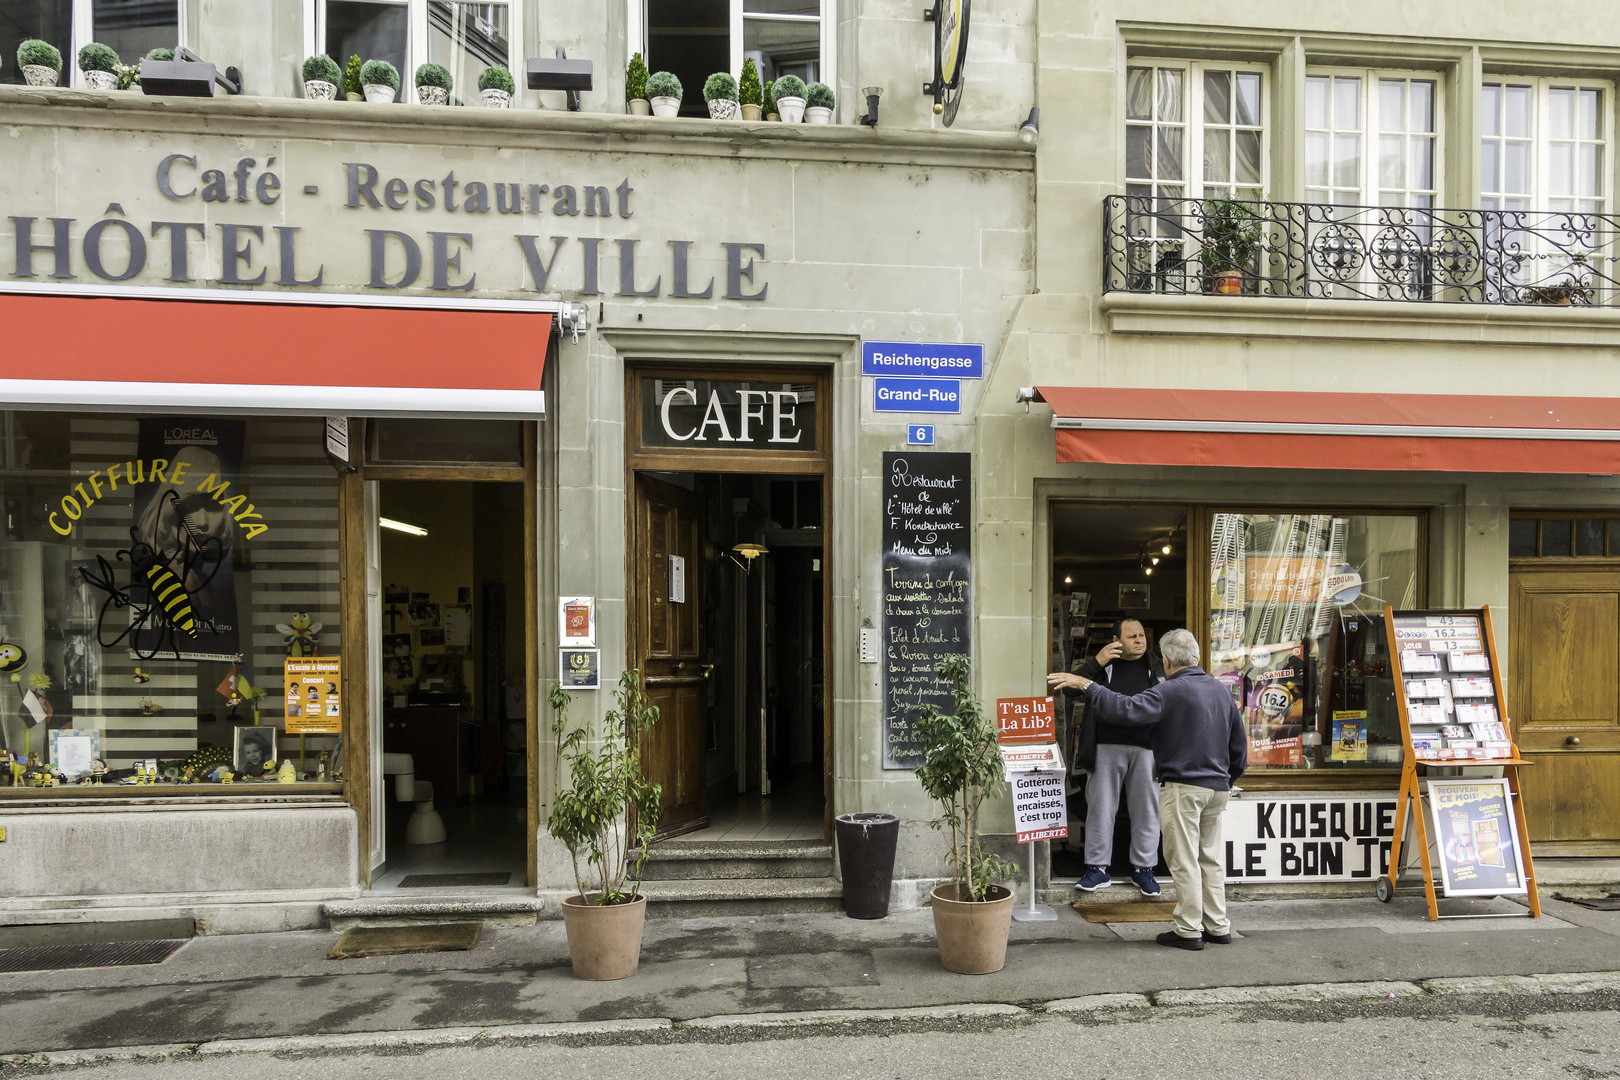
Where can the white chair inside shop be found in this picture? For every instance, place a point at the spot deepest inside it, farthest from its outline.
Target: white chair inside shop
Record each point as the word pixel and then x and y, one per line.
pixel 425 826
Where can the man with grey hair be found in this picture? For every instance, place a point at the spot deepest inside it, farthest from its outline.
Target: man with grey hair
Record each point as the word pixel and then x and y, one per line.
pixel 1200 749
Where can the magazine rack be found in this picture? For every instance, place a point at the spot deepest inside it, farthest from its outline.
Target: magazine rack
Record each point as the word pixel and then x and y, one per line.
pixel 1448 687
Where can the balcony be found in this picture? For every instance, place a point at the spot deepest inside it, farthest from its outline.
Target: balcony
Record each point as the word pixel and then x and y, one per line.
pixel 1317 251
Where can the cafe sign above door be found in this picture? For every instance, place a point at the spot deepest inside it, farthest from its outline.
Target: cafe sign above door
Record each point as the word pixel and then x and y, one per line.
pixel 708 414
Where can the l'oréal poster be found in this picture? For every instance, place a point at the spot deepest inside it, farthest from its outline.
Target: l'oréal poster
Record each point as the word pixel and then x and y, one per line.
pixel 183 538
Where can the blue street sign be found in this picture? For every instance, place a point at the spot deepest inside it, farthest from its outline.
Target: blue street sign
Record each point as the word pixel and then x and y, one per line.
pixel 956 360
pixel 920 435
pixel 917 395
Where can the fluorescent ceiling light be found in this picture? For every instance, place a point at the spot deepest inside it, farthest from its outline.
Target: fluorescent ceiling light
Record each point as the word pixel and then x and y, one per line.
pixel 400 526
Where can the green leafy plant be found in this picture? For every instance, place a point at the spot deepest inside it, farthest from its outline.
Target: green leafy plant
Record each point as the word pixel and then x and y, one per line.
pixel 40 53
pixel 1232 234
pixel 322 68
pixel 165 54
pixel 961 768
pixel 608 812
pixel 635 79
pixel 818 95
pixel 98 57
pixel 769 105
pixel 351 76
pixel 663 84
pixel 379 73
pixel 720 87
pixel 1562 293
pixel 433 75
pixel 749 91
pixel 788 86
pixel 128 75
pixel 496 77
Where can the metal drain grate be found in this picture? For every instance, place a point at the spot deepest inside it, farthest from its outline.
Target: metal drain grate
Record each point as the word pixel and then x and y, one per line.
pixel 452 881
pixel 104 954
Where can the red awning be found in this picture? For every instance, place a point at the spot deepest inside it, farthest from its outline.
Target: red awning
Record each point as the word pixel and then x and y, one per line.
pixel 264 356
pixel 1296 430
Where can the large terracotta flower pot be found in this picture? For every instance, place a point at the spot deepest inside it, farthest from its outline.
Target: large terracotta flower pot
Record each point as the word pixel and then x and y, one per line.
pixel 972 936
pixel 605 942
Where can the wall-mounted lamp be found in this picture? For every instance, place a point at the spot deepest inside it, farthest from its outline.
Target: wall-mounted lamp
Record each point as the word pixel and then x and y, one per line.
pixel 872 93
pixel 187 75
pixel 1025 395
pixel 573 76
pixel 1030 130
pixel 401 526
pixel 749 553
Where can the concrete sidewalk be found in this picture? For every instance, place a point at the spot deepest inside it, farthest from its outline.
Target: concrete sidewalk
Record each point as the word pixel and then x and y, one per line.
pixel 708 970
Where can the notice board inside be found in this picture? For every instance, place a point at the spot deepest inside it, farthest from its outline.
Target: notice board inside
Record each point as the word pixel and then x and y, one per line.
pixel 927 562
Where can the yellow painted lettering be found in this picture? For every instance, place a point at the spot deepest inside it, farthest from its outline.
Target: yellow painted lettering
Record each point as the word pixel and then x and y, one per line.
pixel 111 479
pixel 93 485
pixel 254 530
pixel 177 475
pixel 71 507
pixel 155 473
pixel 88 501
pixel 57 528
pixel 212 485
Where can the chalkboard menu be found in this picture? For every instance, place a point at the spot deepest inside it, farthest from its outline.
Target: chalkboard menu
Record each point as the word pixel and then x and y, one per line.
pixel 927 530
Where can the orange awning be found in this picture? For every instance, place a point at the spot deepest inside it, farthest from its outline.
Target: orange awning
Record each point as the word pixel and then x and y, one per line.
pixel 1301 430
pixel 264 356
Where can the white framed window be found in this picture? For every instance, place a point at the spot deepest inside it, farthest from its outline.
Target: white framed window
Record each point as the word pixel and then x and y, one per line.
pixel 695 40
pixel 1372 138
pixel 131 28
pixel 463 37
pixel 1544 145
pixel 1195 130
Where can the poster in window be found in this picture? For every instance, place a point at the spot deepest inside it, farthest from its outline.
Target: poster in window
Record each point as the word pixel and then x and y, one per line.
pixel 1476 837
pixel 1137 597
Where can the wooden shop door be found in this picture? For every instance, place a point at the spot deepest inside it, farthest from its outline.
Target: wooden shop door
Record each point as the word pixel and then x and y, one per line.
pixel 667 648
pixel 1565 701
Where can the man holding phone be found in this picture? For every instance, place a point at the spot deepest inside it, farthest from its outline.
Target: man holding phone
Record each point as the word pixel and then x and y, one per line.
pixel 1118 759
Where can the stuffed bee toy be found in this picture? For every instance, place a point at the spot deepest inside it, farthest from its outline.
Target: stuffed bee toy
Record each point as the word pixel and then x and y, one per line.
pixel 298 635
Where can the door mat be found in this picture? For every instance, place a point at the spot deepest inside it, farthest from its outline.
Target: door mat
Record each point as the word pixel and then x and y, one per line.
pixel 1596 903
pixel 399 940
pixel 1129 911
pixel 452 881
pixel 100 954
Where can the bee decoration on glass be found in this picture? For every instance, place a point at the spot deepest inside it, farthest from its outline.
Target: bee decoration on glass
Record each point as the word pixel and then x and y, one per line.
pixel 12 657
pixel 157 596
pixel 298 635
pixel 141 676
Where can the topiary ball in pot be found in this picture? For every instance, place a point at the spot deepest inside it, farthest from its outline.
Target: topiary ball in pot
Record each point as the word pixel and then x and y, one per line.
pixel 433 84
pixel 818 103
pixel 720 92
pixel 159 54
pixel 635 86
pixel 495 87
pixel 100 66
pixel 322 77
pixel 381 81
pixel 40 61
pixel 664 91
pixel 789 93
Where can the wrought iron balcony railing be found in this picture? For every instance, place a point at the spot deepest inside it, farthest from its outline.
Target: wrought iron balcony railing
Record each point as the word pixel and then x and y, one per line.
pixel 1315 250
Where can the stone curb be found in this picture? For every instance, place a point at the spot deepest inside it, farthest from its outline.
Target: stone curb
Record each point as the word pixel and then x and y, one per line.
pixel 851 1016
pixel 1574 982
pixel 1094 1002
pixel 1245 995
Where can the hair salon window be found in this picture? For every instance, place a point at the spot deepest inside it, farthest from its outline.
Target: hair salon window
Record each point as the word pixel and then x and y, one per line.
pixel 465 38
pixel 156 573
pixel 131 28
pixel 695 38
pixel 1296 631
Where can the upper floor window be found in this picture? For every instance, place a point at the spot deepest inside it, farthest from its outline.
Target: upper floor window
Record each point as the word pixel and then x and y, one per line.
pixel 1177 114
pixel 696 38
pixel 1542 146
pixel 131 28
pixel 1371 139
pixel 465 38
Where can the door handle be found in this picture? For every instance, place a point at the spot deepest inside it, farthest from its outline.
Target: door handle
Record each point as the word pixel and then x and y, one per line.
pixel 708 669
pixel 1573 740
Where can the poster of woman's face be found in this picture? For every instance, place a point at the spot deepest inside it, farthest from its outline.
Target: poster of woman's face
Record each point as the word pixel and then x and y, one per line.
pixel 254 747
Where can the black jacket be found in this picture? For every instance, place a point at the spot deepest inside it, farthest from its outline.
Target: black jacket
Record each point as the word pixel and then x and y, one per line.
pixel 1094 731
pixel 1199 737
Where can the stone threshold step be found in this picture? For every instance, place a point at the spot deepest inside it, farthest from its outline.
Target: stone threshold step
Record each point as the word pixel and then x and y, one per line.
pixel 677 849
pixel 510 910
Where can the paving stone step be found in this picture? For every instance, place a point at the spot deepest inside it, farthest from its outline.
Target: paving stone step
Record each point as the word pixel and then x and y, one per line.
pixel 700 897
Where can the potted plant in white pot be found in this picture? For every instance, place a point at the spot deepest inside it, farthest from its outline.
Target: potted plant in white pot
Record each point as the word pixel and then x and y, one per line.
pixel 789 92
pixel 768 106
pixel 41 62
pixel 664 93
pixel 961 768
pixel 432 84
pixel 750 95
pixel 100 66
pixel 720 94
pixel 495 87
pixel 607 813
pixel 352 88
pixel 380 80
pixel 818 103
pixel 321 78
pixel 635 87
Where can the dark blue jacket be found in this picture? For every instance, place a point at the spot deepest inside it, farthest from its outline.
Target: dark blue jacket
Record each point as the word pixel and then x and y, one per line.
pixel 1199 739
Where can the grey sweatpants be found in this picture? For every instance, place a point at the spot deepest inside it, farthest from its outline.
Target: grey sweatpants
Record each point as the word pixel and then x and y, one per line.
pixel 1128 769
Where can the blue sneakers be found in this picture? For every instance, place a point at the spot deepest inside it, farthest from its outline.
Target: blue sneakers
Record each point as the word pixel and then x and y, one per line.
pixel 1096 877
pixel 1145 881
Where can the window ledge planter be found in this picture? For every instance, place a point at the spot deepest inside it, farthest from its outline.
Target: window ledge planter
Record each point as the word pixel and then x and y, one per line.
pixel 39 75
pixel 101 80
pixel 639 107
pixel 379 93
pixel 790 109
pixel 320 90
pixel 817 114
pixel 432 95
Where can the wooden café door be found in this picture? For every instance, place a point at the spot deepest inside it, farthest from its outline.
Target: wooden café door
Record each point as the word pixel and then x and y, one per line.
pixel 666 636
pixel 1565 702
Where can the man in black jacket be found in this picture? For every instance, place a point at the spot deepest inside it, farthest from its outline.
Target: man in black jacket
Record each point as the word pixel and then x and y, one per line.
pixel 1200 748
pixel 1118 760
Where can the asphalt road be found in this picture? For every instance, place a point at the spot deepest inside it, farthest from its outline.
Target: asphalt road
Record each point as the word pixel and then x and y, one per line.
pixel 1508 1036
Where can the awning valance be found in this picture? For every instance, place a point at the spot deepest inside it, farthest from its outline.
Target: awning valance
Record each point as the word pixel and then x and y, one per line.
pixel 1304 430
pixel 254 356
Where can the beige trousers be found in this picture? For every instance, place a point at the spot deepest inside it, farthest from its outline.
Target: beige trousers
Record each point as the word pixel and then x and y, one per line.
pixel 1190 824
